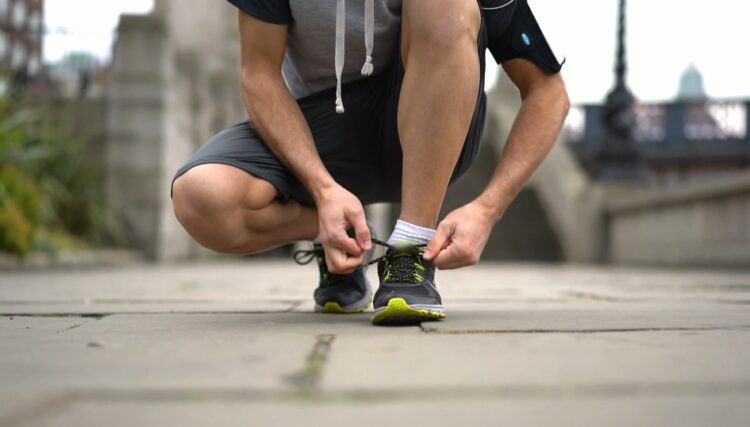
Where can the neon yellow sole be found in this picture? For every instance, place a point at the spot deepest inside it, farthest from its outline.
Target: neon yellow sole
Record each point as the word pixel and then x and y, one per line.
pixel 332 307
pixel 398 312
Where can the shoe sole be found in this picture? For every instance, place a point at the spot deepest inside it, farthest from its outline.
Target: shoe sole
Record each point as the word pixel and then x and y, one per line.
pixel 398 312
pixel 332 307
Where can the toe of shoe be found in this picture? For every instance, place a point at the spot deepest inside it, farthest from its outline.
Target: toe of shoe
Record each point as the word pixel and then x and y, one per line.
pixel 399 312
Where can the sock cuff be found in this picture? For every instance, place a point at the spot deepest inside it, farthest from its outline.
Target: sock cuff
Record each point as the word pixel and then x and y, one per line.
pixel 407 232
pixel 413 227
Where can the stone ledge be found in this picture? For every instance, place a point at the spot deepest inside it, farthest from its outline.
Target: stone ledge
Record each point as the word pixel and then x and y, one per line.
pixel 722 187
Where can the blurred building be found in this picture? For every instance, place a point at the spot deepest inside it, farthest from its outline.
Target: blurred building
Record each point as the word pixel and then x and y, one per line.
pixel 691 85
pixel 681 140
pixel 21 32
pixel 77 75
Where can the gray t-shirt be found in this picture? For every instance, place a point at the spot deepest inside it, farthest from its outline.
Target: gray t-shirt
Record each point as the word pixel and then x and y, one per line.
pixel 309 65
pixel 309 62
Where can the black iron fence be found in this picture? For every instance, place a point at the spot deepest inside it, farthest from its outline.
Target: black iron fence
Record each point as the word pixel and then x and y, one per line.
pixel 679 133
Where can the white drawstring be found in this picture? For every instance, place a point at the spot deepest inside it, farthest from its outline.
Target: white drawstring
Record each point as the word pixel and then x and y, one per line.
pixel 340 51
pixel 368 68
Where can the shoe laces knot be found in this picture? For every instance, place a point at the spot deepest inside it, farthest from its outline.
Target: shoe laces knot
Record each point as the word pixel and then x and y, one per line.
pixel 402 264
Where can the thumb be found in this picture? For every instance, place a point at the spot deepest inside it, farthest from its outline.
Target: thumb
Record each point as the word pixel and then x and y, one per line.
pixel 361 231
pixel 439 241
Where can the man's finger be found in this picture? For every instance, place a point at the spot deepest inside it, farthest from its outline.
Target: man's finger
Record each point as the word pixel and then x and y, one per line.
pixel 361 230
pixel 339 262
pixel 438 242
pixel 448 259
pixel 342 241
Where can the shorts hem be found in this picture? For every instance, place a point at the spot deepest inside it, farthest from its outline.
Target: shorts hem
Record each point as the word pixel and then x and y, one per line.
pixel 281 187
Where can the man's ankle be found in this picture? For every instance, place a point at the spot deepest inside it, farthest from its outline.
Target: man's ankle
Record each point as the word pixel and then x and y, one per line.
pixel 406 232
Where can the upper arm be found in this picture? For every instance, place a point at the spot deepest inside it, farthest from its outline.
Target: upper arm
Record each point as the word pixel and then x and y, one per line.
pixel 528 76
pixel 262 46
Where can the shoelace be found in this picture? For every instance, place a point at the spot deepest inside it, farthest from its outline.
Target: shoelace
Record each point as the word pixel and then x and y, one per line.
pixel 305 256
pixel 402 265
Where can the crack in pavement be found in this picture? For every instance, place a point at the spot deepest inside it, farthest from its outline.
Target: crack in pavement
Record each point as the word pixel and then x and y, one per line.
pixel 436 331
pixel 92 301
pixel 294 305
pixel 307 380
pixel 77 325
pixel 96 316
pixel 144 313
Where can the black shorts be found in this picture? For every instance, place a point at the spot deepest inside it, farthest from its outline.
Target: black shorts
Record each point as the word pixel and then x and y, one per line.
pixel 359 148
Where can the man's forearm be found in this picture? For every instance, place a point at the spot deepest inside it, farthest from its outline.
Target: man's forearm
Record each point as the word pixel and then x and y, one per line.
pixel 277 117
pixel 533 133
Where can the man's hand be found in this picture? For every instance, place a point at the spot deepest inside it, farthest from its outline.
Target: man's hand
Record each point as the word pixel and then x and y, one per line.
pixel 338 211
pixel 460 237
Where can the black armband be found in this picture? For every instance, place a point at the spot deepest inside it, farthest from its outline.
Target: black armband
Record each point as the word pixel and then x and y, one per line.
pixel 513 32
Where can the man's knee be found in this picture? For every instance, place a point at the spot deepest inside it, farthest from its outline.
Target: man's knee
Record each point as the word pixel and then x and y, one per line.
pixel 209 201
pixel 216 187
pixel 443 24
pixel 194 201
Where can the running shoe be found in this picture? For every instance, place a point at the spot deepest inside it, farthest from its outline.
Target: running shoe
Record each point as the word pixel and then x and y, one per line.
pixel 407 293
pixel 337 293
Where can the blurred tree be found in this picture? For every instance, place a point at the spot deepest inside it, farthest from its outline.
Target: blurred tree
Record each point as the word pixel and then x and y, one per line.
pixel 50 193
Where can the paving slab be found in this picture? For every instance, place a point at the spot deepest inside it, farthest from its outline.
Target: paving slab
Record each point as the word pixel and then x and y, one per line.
pixel 249 281
pixel 258 351
pixel 135 355
pixel 648 411
pixel 223 281
pixel 236 343
pixel 459 362
pixel 572 319
pixel 144 306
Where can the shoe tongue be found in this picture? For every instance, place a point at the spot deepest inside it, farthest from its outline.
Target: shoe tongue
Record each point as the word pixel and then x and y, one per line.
pixel 404 246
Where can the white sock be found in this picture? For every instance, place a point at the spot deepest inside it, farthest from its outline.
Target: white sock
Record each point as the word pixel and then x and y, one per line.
pixel 406 232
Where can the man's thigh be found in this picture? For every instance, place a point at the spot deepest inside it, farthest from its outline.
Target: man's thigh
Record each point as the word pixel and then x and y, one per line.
pixel 241 147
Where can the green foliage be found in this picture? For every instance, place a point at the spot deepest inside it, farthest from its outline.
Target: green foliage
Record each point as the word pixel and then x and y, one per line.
pixel 16 188
pixel 15 230
pixel 55 189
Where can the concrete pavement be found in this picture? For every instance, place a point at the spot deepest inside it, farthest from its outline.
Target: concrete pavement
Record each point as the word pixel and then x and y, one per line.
pixel 235 343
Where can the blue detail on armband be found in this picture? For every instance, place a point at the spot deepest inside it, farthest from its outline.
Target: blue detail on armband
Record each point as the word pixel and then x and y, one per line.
pixel 526 39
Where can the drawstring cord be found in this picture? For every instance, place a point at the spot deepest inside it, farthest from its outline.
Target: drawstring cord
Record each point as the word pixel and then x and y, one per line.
pixel 368 68
pixel 340 55
pixel 340 52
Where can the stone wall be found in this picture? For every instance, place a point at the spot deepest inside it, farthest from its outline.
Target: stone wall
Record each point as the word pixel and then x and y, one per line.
pixel 706 223
pixel 135 129
pixel 174 84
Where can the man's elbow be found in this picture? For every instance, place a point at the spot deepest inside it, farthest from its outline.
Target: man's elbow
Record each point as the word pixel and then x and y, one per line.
pixel 562 94
pixel 551 91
